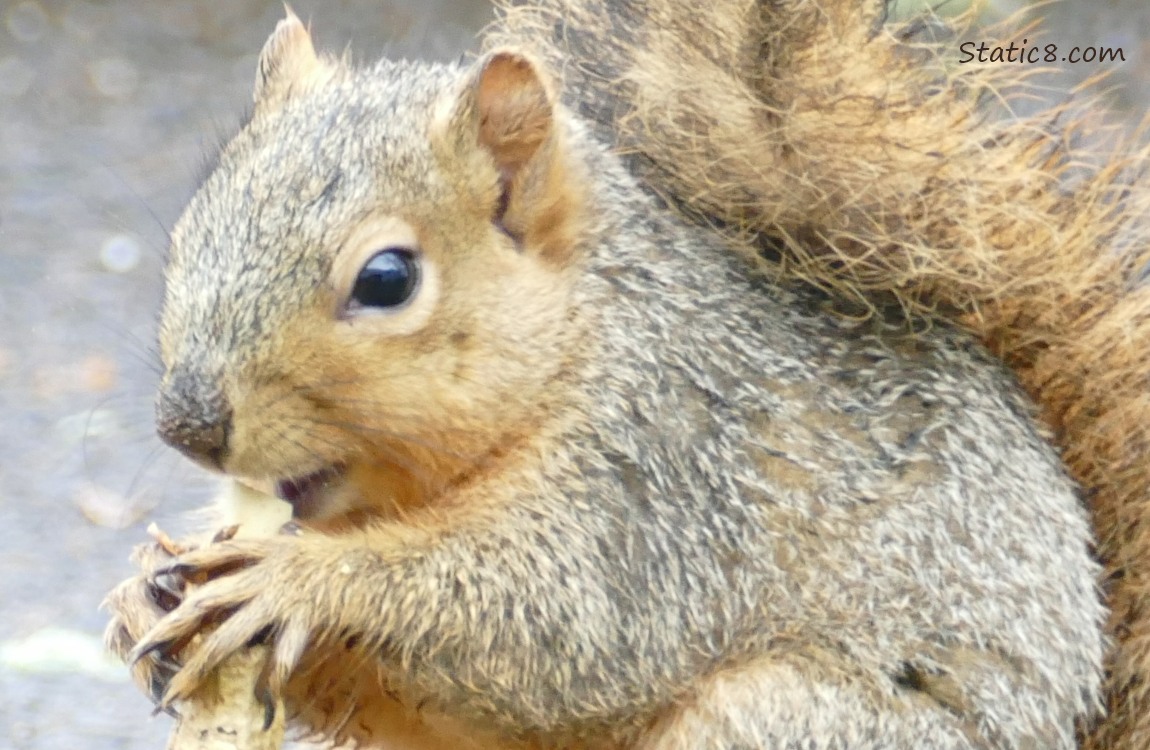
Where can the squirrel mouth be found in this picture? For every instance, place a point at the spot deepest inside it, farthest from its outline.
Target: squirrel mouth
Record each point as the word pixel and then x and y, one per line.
pixel 305 493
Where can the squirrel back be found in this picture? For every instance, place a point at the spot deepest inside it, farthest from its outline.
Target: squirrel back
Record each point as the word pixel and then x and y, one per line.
pixel 861 156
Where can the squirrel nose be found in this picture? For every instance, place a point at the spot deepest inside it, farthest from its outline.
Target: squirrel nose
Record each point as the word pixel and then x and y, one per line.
pixel 194 417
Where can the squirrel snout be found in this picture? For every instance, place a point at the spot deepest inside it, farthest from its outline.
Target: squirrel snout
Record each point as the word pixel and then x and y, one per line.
pixel 194 420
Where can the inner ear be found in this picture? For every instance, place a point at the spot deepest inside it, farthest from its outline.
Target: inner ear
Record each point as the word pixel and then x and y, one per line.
pixel 515 113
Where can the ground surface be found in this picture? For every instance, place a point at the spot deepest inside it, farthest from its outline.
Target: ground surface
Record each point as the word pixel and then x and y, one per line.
pixel 106 112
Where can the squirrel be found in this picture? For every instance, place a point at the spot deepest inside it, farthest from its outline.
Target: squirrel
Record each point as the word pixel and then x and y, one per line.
pixel 570 469
pixel 860 153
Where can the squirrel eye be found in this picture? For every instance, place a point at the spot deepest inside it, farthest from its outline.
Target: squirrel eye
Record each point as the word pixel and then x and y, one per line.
pixel 387 280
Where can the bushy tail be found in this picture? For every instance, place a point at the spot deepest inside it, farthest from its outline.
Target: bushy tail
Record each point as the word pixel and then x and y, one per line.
pixel 883 168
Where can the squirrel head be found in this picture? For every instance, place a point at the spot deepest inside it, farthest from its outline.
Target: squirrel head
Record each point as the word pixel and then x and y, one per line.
pixel 372 291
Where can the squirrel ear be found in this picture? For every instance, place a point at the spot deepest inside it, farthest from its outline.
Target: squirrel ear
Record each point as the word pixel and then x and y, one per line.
pixel 514 110
pixel 288 62
pixel 507 110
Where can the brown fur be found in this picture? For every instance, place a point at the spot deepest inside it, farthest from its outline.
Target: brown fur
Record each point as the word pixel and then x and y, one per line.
pixel 881 167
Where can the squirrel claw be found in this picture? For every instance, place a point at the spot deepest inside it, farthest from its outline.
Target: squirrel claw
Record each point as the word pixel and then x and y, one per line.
pixel 177 574
pixel 162 709
pixel 157 651
pixel 156 687
pixel 269 704
pixel 167 664
pixel 165 591
pixel 204 564
pixel 225 534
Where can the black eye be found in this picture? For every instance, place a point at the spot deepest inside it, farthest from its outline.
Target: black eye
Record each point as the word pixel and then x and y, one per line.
pixel 387 280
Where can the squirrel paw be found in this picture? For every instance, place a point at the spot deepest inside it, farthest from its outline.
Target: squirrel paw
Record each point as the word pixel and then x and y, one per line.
pixel 136 605
pixel 237 594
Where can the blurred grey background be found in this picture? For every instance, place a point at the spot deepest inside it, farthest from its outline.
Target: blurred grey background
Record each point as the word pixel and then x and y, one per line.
pixel 107 112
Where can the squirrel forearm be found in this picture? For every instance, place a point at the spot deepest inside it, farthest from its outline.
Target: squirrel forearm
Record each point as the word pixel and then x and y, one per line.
pixel 511 630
